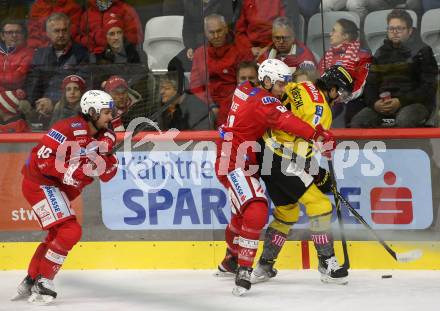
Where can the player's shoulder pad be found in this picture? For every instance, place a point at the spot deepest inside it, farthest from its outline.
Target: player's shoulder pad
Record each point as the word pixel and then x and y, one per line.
pixel 254 91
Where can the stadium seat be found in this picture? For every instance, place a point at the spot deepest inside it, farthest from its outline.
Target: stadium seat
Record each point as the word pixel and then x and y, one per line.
pixel 314 35
pixel 375 28
pixel 430 31
pixel 163 40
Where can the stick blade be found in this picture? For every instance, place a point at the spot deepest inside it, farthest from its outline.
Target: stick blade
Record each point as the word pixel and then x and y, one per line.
pixel 409 256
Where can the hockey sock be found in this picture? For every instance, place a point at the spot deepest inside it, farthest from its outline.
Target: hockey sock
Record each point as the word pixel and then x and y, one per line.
pixel 321 235
pixel 232 233
pixel 254 219
pixel 274 239
pixel 41 250
pixel 34 265
pixel 67 235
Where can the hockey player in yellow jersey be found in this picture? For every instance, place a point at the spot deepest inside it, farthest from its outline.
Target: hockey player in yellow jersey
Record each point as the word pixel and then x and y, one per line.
pixel 294 175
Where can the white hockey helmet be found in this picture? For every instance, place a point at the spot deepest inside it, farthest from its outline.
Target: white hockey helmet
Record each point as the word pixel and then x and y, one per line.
pixel 94 100
pixel 276 70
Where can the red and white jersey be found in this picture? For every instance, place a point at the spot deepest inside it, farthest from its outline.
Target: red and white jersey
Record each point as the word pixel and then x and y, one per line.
pixel 253 111
pixel 41 166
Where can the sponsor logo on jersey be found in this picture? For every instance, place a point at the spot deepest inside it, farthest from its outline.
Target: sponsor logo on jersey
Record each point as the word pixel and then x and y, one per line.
pixel 79 132
pixel 254 91
pixel 319 110
pixel 57 136
pixel 75 125
pixel 269 100
pixel 313 92
pixel 50 195
pixel 240 94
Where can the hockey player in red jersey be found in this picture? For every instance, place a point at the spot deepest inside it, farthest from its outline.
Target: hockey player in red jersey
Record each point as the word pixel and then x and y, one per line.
pixel 55 173
pixel 253 111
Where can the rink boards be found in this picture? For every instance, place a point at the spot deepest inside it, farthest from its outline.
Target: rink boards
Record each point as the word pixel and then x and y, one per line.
pixel 394 184
pixel 207 255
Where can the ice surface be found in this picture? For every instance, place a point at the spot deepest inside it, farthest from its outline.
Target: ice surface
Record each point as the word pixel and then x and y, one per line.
pixel 158 290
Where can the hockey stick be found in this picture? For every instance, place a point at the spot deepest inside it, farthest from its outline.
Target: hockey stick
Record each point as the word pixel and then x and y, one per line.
pixel 346 264
pixel 401 257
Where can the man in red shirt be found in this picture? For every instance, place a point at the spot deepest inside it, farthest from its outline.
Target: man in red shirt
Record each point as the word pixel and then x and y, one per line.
pixel 287 48
pixel 55 173
pixel 253 111
pixel 220 58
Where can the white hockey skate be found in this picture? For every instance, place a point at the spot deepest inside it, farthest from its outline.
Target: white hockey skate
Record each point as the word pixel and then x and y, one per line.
pixel 43 292
pixel 263 271
pixel 242 281
pixel 331 272
pixel 24 289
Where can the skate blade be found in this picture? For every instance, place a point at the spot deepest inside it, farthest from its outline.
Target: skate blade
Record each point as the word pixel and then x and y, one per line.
pixel 41 299
pixel 338 281
pixel 223 274
pixel 239 291
pixel 19 297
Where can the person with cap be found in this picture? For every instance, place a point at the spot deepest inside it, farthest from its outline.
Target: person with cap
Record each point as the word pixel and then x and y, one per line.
pixel 73 88
pixel 117 49
pixel 124 98
pixel 97 15
pixel 13 108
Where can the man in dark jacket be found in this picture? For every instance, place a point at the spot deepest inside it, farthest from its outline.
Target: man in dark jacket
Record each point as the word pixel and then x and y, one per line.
pixel 50 65
pixel 401 85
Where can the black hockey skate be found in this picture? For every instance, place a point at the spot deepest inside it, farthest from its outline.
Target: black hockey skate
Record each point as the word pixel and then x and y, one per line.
pixel 242 281
pixel 43 291
pixel 24 289
pixel 331 272
pixel 263 271
pixel 228 267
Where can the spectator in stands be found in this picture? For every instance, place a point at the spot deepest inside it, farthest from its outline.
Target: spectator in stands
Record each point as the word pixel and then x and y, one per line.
pixel 401 85
pixel 247 71
pixel 13 111
pixel 220 60
pixel 286 47
pixel 363 7
pixel 430 4
pixel 254 26
pixel 98 13
pixel 345 49
pixel 14 9
pixel 307 8
pixel 185 111
pixel 52 63
pixel 193 30
pixel 73 87
pixel 118 50
pixel 41 10
pixel 15 57
pixel 124 98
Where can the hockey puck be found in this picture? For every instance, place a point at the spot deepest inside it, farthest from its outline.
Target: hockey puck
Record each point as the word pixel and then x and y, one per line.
pixel 387 276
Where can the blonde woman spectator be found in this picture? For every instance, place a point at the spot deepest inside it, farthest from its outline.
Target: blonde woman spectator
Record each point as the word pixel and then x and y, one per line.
pixel 73 87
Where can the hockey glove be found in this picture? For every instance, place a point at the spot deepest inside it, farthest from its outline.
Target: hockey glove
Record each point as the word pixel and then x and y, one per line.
pixel 323 181
pixel 324 140
pixel 111 167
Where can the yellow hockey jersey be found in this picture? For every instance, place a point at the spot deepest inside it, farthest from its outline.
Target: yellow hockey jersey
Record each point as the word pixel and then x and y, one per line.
pixel 307 103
